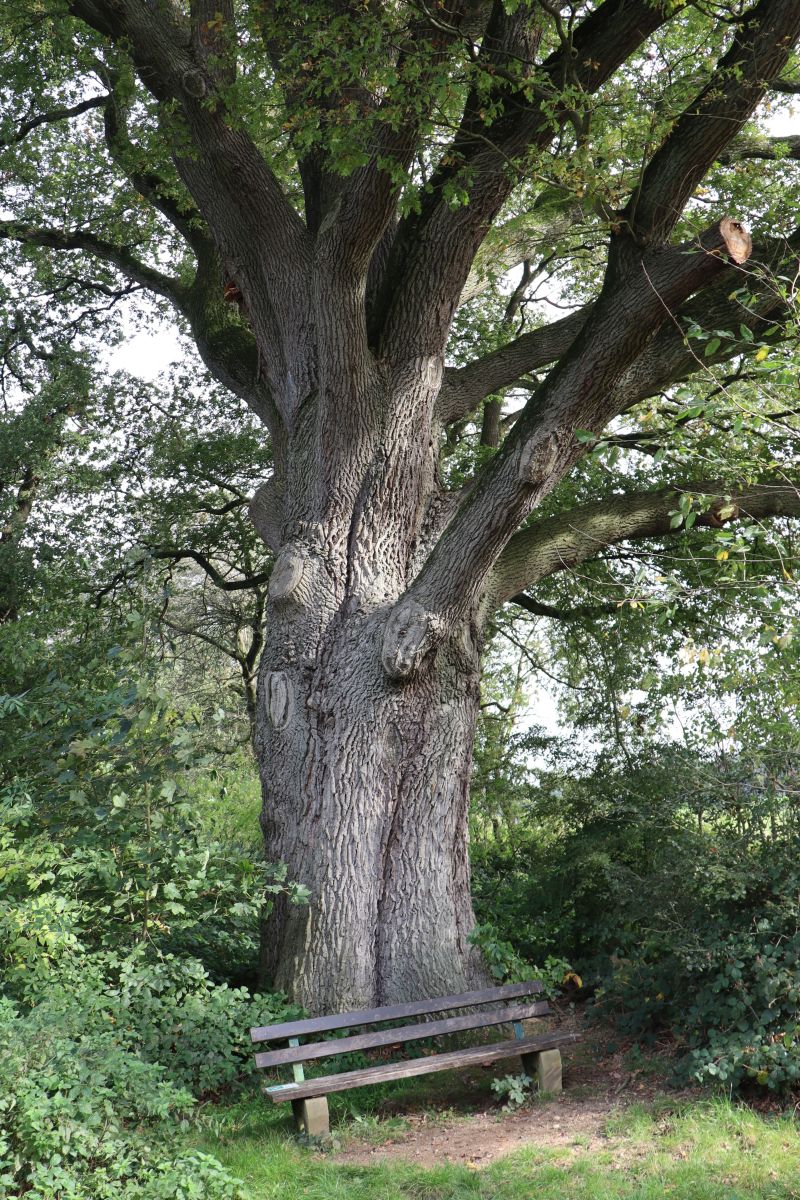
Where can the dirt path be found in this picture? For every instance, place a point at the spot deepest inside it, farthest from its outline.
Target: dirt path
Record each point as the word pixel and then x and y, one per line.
pixel 597 1085
pixel 488 1135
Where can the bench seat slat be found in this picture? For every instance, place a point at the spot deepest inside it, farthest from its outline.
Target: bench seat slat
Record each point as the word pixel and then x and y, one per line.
pixel 323 1085
pixel 409 1033
pixel 393 1012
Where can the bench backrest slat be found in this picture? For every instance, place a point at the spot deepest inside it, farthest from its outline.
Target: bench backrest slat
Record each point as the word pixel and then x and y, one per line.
pixel 393 1012
pixel 408 1033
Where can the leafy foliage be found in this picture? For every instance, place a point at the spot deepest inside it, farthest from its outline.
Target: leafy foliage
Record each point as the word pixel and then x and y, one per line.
pixel 672 888
pixel 124 921
pixel 513 1089
pixel 71 1096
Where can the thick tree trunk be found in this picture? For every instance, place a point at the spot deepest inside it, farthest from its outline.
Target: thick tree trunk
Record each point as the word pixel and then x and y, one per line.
pixel 365 798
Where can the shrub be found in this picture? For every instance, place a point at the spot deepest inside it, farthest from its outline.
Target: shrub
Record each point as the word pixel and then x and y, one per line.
pixel 175 1015
pixel 677 906
pixel 167 1012
pixel 732 1001
pixel 84 1118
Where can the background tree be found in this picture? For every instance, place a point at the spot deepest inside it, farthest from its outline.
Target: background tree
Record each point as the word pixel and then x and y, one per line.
pixel 313 192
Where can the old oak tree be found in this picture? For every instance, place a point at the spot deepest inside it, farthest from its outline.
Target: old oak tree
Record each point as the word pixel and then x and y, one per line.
pixel 316 190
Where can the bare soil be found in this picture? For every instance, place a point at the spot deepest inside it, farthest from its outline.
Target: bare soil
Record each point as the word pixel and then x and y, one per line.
pixel 470 1127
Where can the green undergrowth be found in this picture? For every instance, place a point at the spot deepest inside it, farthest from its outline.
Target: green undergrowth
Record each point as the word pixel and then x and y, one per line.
pixel 708 1150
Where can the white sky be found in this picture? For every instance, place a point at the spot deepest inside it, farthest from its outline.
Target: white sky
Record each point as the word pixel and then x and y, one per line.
pixel 147 354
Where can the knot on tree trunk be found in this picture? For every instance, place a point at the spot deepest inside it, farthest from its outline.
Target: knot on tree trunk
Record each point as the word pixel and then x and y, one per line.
pixel 195 83
pixel 538 458
pixel 278 698
pixel 410 634
pixel 289 578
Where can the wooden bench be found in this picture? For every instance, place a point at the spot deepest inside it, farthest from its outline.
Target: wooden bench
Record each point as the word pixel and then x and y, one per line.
pixel 540 1055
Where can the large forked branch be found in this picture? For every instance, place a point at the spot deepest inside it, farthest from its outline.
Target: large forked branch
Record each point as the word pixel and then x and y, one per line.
pixel 761 48
pixel 578 394
pixel 434 250
pixel 360 214
pixel 253 224
pixel 669 358
pixel 562 542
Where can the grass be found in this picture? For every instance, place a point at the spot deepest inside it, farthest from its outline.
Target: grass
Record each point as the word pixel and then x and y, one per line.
pixel 711 1150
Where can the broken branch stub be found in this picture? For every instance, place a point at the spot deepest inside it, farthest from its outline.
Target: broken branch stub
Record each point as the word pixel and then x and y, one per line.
pixel 735 240
pixel 288 574
pixel 409 635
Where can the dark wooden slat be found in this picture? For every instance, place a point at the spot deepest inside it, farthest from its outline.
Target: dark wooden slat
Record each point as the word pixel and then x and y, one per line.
pixel 393 1012
pixel 325 1084
pixel 408 1033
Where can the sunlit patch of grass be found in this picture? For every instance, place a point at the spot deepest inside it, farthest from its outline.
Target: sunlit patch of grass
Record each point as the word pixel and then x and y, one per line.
pixel 709 1150
pixel 375 1130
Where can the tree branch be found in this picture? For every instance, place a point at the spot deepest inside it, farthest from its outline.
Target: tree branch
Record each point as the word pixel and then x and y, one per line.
pixel 224 341
pixel 770 149
pixel 580 612
pixel 119 256
pixel 214 38
pixel 434 250
pixel 786 86
pixel 219 580
pixel 50 117
pixel 761 48
pixel 227 650
pixel 465 387
pixel 366 201
pixel 562 542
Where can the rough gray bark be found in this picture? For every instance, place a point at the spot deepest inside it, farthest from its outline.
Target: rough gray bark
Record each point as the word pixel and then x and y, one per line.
pixel 366 781
pixel 368 691
pixel 365 796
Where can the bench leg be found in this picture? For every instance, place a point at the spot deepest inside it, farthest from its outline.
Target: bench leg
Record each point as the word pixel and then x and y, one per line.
pixel 311 1117
pixel 545 1068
